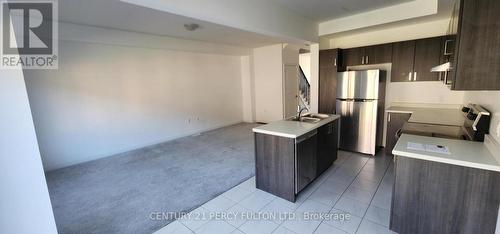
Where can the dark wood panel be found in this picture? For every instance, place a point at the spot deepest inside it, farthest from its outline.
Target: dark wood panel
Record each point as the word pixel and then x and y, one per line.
pixel 478 57
pixel 327 146
pixel 427 55
pixel 328 80
pixel 353 56
pixel 307 149
pixel 395 121
pixel 275 165
pixel 378 54
pixel 403 54
pixel 327 90
pixel 329 58
pixel 431 197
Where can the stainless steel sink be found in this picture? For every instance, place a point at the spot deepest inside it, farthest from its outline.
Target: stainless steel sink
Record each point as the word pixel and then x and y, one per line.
pixel 305 119
pixel 317 116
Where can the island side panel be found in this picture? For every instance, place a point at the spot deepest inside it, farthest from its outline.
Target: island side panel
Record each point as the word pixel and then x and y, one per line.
pixel 432 197
pixel 275 165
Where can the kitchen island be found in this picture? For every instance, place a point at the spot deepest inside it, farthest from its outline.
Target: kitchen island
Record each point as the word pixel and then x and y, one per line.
pixel 445 185
pixel 290 154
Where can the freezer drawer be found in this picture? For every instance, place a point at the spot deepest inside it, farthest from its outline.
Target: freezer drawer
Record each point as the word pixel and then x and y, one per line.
pixel 358 125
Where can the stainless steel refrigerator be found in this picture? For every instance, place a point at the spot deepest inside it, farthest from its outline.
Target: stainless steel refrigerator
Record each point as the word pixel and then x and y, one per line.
pixel 360 103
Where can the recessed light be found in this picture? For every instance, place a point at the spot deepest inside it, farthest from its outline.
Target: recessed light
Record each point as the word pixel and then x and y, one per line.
pixel 191 27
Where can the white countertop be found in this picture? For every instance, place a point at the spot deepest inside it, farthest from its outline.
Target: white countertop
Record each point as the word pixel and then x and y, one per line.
pixel 292 129
pixel 462 153
pixel 438 116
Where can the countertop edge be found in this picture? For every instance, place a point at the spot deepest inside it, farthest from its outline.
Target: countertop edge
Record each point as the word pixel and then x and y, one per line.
pixel 319 124
pixel 399 111
pixel 274 133
pixel 447 161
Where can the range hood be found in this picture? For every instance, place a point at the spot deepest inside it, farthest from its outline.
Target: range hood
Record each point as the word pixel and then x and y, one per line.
pixel 442 68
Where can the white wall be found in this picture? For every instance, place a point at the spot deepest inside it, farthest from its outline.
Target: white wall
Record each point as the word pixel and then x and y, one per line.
pixel 268 82
pixel 247 89
pixel 422 92
pixel 24 199
pixel 491 101
pixel 108 98
pixel 314 77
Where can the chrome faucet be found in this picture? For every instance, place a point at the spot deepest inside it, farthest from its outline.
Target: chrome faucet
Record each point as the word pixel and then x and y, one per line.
pixel 300 112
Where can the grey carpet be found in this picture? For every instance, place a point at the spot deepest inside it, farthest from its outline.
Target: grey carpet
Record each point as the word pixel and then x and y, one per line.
pixel 117 194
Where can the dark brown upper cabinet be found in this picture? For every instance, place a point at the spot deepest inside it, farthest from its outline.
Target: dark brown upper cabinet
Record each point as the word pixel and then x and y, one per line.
pixel 329 64
pixel 413 60
pixel 476 65
pixel 427 55
pixel 368 55
pixel 378 54
pixel 403 55
pixel 353 56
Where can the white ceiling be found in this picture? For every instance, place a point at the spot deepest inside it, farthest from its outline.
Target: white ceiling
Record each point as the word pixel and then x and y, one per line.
pixel 119 15
pixel 322 10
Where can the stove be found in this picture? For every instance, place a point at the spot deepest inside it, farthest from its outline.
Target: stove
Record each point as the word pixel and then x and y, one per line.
pixel 476 125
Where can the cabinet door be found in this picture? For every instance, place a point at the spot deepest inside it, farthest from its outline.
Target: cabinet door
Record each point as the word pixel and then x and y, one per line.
pixel 403 54
pixel 327 146
pixel 353 56
pixel 378 54
pixel 478 59
pixel 327 90
pixel 306 161
pixel 329 64
pixel 395 122
pixel 329 58
pixel 427 55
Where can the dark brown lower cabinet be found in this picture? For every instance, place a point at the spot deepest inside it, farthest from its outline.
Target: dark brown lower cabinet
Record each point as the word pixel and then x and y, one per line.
pixel 275 165
pixel 395 122
pixel 307 159
pixel 285 166
pixel 327 146
pixel 433 197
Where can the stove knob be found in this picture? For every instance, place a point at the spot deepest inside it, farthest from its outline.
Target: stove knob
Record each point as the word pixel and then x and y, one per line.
pixel 465 109
pixel 472 116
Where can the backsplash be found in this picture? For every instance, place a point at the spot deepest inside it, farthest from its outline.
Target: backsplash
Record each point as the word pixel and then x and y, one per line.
pixel 491 101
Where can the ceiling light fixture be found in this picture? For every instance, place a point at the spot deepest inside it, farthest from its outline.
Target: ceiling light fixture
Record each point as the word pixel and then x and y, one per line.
pixel 191 27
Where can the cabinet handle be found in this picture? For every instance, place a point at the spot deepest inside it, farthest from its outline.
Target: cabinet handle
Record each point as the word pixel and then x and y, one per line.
pixel 389 117
pixel 363 60
pixel 415 76
pixel 445 78
pixel 335 62
pixel 409 76
pixel 367 60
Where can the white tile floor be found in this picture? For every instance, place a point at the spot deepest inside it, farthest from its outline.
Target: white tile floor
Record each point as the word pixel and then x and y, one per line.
pixel 355 191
